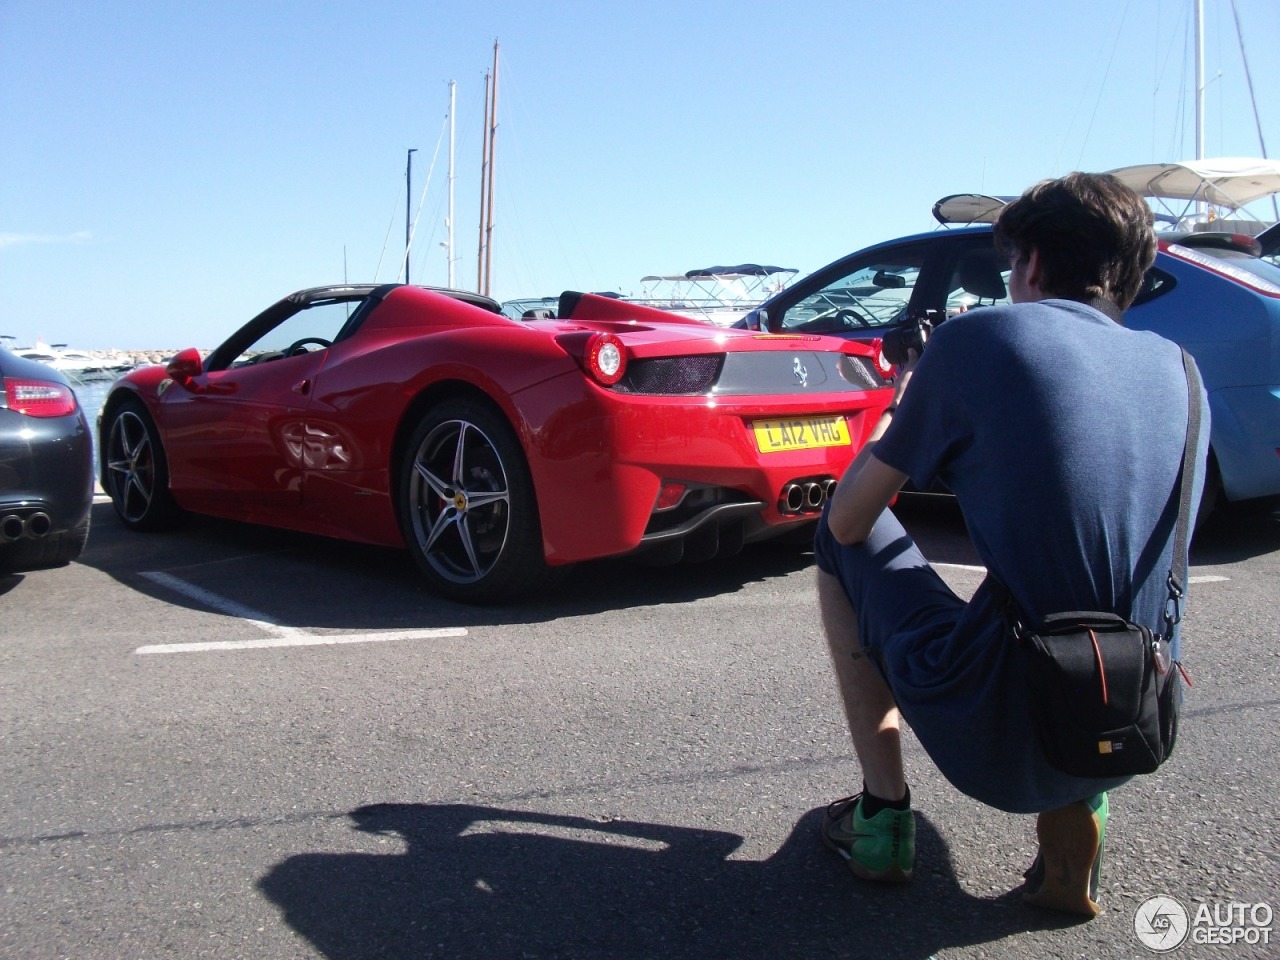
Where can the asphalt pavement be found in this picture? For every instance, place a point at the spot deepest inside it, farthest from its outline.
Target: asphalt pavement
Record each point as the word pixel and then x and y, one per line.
pixel 229 742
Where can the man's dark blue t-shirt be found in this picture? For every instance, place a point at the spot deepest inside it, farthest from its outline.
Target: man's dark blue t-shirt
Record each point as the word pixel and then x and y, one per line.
pixel 1061 433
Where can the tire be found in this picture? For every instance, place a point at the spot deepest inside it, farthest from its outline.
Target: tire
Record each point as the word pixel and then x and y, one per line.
pixel 468 512
pixel 136 471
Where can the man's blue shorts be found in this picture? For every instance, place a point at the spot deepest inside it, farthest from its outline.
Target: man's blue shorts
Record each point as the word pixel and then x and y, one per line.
pixel 953 672
pixel 891 585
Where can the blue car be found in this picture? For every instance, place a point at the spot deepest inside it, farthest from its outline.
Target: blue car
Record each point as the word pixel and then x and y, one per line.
pixel 1210 292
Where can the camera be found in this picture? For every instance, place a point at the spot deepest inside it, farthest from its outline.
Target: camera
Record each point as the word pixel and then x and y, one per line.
pixel 911 334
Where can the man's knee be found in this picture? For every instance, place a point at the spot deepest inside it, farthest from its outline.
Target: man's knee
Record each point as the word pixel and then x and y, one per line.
pixel 829 555
pixel 839 619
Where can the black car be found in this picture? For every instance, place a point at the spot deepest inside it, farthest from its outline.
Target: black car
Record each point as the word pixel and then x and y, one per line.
pixel 46 467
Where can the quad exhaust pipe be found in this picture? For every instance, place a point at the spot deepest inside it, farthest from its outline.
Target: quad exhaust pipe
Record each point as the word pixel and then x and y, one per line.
pixel 806 496
pixel 14 527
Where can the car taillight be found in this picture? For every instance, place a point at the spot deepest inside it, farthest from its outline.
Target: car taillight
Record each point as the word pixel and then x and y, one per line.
pixel 1224 268
pixel 883 366
pixel 606 358
pixel 38 398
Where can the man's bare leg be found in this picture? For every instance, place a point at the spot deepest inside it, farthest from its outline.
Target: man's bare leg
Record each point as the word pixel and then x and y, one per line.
pixel 874 721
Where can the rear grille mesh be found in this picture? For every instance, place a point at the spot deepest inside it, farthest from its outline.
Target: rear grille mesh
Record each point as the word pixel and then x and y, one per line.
pixel 674 376
pixel 861 372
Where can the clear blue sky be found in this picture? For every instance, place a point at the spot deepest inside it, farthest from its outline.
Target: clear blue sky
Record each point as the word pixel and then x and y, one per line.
pixel 169 169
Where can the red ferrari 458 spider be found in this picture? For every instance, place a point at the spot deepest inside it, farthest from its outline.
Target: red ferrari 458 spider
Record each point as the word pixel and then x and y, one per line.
pixel 495 450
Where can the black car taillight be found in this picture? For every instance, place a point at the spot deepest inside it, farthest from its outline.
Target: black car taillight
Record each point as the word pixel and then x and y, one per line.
pixel 37 398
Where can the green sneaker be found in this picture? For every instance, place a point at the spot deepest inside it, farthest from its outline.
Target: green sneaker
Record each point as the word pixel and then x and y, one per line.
pixel 1068 868
pixel 880 848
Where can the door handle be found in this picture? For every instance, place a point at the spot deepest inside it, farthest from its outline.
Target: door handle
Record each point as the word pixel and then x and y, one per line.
pixel 303 387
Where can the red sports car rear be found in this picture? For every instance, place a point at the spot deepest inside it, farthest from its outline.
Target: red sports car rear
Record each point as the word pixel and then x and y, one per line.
pixel 495 450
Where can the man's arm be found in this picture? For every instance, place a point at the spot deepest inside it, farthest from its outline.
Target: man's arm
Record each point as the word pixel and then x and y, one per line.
pixel 862 494
pixel 868 485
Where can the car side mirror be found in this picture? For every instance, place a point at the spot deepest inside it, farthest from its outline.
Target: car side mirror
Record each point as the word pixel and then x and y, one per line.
pixel 185 367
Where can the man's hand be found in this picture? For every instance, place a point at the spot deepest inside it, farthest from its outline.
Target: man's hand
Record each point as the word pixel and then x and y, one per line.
pixel 903 378
pixel 869 485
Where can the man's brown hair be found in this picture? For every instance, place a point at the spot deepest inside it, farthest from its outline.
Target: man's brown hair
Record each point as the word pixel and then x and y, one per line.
pixel 1093 234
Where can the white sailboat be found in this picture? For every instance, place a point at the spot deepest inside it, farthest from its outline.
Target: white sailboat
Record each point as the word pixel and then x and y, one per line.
pixel 76 364
pixel 1196 196
pixel 1207 195
pixel 719 295
pixel 1202 195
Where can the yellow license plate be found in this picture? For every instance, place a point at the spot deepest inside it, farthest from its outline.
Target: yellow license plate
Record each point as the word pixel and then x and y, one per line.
pixel 774 436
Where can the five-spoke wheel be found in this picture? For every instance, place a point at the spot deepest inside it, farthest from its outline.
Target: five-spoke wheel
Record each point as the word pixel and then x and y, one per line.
pixel 468 511
pixel 137 474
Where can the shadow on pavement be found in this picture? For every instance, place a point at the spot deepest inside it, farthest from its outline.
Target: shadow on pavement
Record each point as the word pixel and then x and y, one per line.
pixel 479 882
pixel 312 581
pixel 315 582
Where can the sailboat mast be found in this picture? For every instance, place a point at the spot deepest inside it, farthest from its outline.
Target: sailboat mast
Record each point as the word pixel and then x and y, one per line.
pixel 484 193
pixel 493 137
pixel 453 100
pixel 1199 79
pixel 408 209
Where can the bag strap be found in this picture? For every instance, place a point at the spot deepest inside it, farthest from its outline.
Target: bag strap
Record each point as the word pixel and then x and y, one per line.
pixel 1186 477
pixel 1178 571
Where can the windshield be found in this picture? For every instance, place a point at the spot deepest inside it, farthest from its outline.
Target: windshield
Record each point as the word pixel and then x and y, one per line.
pixel 872 295
pixel 531 308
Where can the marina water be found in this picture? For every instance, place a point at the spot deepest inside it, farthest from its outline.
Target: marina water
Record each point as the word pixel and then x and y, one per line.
pixel 92 395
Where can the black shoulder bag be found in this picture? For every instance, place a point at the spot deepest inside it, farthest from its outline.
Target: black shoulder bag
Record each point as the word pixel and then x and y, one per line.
pixel 1105 693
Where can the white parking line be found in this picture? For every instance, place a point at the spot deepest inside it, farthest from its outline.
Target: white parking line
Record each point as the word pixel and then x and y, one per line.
pixel 962 566
pixel 223 605
pixel 278 634
pixel 1201 578
pixel 301 640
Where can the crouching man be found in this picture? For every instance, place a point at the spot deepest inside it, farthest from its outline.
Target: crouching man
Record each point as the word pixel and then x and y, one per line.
pixel 1061 434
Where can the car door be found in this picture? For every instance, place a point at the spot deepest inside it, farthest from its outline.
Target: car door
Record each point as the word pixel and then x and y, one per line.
pixel 976 275
pixel 235 437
